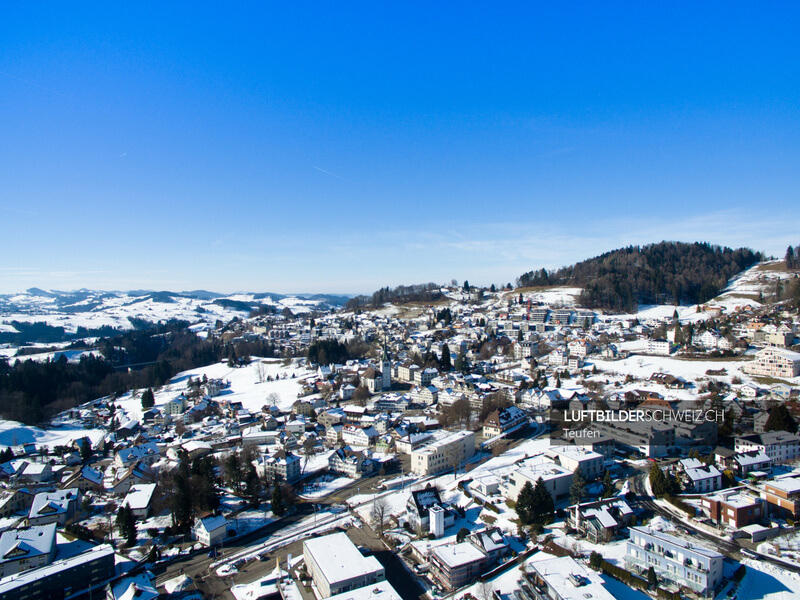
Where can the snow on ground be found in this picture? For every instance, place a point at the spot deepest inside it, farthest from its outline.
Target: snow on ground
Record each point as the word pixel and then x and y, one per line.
pixel 764 581
pixel 245 385
pixel 642 367
pixel 324 485
pixel 13 433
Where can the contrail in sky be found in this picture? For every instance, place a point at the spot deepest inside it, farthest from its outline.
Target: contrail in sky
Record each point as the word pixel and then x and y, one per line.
pixel 41 87
pixel 333 175
pixel 19 210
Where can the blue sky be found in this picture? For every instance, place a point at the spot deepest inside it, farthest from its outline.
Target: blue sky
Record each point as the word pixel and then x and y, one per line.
pixel 342 147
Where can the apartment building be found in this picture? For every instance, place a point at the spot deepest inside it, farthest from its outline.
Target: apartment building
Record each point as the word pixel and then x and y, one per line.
pixel 775 362
pixel 674 559
pixel 444 454
pixel 734 508
pixel 502 420
pixel 783 496
pixel 560 579
pixel 650 438
pixel 336 565
pixel 779 446
pixel 556 478
pixel 573 457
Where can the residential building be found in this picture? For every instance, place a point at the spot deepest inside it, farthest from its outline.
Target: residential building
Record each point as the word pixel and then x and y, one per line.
pixel 573 457
pixel 351 463
pixel 502 420
pixel 560 579
pixel 211 530
pixel 419 506
pixel 336 565
pixel 556 478
pixel 600 521
pixel 283 465
pixel 674 559
pixel 650 438
pixel 62 578
pixel 444 454
pixel 456 565
pixel 27 548
pixel 783 496
pixel 734 507
pixel 775 362
pixel 54 507
pixel 138 499
pixel 779 446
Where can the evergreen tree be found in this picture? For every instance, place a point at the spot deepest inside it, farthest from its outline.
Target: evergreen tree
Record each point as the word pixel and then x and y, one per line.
pixel 278 505
pixel 525 504
pixel 148 399
pixel 780 419
pixel 543 501
pixel 445 363
pixel 86 450
pixel 652 579
pixel 608 485
pixel 791 259
pixel 658 481
pixel 577 489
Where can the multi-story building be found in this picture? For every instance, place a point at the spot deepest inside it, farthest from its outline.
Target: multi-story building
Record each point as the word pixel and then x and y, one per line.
pixel 456 565
pixel 650 438
pixel 502 420
pixel 779 446
pixel 444 454
pixel 283 465
pixel 734 508
pixel 600 521
pixel 674 559
pixel 27 548
pixel 556 478
pixel 560 579
pixel 574 457
pixel 775 362
pixel 350 463
pixel 783 496
pixel 336 565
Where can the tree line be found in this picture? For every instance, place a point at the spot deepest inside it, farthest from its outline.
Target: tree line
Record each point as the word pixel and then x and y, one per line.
pixel 425 292
pixel 33 391
pixel 675 272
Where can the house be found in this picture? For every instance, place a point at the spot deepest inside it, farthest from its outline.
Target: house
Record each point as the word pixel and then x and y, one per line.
pixel 600 521
pixel 63 578
pixel 556 478
pixel 779 446
pixel 747 462
pixel 210 531
pixel 137 587
pixel 336 565
pixel 674 559
pixel 702 479
pixel 456 565
pixel 138 499
pixel 134 474
pixel 54 507
pixel 14 501
pixel 560 579
pixel 502 420
pixel 351 463
pixel 282 465
pixel 176 406
pixel 147 454
pixel 27 548
pixel 84 479
pixel 577 457
pixel 418 510
pixel 783 496
pixel 359 436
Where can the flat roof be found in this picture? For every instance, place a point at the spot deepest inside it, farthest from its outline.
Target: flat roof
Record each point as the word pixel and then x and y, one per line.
pixel 382 590
pixel 458 554
pixel 571 580
pixel 339 559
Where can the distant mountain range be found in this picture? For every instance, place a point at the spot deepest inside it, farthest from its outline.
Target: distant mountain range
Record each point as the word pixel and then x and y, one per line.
pixel 38 315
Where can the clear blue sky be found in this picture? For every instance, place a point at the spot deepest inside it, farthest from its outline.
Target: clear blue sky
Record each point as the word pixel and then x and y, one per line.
pixel 341 147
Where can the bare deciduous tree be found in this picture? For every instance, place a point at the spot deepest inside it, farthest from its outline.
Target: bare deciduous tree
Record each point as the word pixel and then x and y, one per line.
pixel 379 515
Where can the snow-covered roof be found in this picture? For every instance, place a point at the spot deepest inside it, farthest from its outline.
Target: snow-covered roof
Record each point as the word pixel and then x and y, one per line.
pixel 338 559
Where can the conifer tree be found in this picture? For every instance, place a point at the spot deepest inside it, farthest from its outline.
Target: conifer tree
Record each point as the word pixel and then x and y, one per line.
pixel 577 489
pixel 608 485
pixel 525 504
pixel 148 399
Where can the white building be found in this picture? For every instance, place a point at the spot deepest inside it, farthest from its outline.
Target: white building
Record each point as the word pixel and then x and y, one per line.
pixel 775 362
pixel 572 457
pixel 336 565
pixel 674 559
pixel 444 454
pixel 210 531
pixel 556 478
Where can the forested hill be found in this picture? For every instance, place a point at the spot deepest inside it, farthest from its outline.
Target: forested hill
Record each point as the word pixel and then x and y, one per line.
pixel 667 272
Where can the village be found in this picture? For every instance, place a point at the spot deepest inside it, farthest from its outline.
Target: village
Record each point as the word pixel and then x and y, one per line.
pixel 444 462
